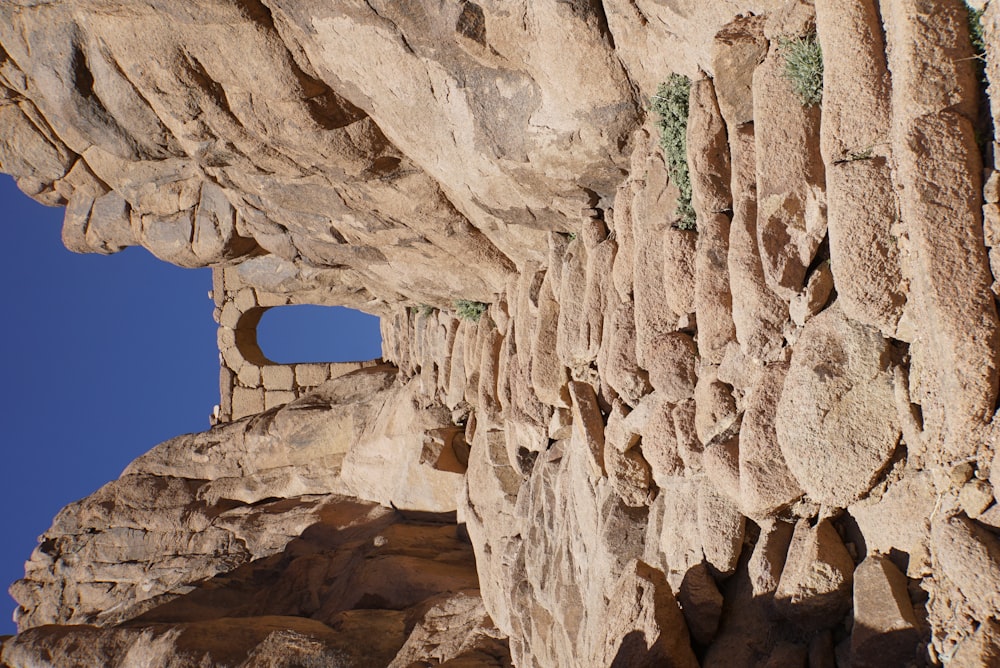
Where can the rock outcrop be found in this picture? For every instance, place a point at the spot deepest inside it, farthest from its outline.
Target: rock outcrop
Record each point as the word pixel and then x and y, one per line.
pixel 596 437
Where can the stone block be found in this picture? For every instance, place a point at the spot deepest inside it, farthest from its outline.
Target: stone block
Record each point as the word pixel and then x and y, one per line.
pixel 311 375
pixel 249 375
pixel 815 587
pixel 218 286
pixel 270 299
pixel 225 337
pixel 278 377
pixel 885 627
pixel 274 398
pixel 231 279
pixel 230 315
pixel 247 401
pixel 245 299
pixel 233 358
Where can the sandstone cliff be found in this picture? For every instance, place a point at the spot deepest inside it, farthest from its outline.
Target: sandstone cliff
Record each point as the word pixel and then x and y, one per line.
pixel 760 436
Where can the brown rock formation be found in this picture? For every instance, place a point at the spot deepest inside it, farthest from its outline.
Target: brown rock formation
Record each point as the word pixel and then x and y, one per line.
pixel 766 441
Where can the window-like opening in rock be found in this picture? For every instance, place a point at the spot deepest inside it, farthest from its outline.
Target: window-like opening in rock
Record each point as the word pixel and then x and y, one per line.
pixel 304 333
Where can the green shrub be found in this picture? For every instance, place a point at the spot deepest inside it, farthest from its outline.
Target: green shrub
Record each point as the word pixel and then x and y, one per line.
pixel 804 67
pixel 976 31
pixel 978 43
pixel 469 310
pixel 671 106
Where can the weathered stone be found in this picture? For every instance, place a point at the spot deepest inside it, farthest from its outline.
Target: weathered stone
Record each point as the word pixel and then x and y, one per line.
pixel 716 407
pixel 311 375
pixel 791 197
pixel 645 624
pixel 815 296
pixel 273 398
pixel 618 362
pixel 708 153
pixel 769 555
pixel 885 629
pixel 815 587
pixel 758 314
pixel 721 526
pixel 713 300
pixel 672 366
pixel 680 538
pixel 737 50
pixel 588 425
pixel 975 497
pixel 279 377
pixel 247 401
pixel 679 271
pixel 766 484
pixel 836 420
pixel 701 603
pixel 898 520
pixel 950 306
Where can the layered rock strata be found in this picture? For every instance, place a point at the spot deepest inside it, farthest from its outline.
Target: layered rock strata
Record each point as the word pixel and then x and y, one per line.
pixel 768 441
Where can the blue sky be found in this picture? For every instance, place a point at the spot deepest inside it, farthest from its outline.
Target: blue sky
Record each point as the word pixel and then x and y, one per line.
pixel 106 356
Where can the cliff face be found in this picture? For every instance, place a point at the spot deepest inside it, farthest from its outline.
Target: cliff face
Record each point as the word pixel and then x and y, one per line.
pixel 762 439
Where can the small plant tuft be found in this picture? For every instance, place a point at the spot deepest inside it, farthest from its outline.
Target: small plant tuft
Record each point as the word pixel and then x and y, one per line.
pixel 426 310
pixel 976 31
pixel 804 67
pixel 469 310
pixel 671 106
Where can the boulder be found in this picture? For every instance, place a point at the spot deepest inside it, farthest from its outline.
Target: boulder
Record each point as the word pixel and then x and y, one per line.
pixel 836 421
pixel 815 587
pixel 886 630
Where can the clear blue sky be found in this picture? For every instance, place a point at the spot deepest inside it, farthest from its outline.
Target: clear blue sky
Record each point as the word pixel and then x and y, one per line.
pixel 106 356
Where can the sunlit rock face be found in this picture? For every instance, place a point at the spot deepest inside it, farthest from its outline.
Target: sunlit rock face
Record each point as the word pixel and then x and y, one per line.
pixel 602 432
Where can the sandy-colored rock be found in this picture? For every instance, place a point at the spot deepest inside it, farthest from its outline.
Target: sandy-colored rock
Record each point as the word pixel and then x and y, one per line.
pixel 791 197
pixel 815 587
pixel 701 603
pixel 652 212
pixel 970 558
pixel 975 497
pixel 708 152
pixel 588 426
pixel 633 389
pixel 758 314
pixel 933 141
pixel 679 260
pixel 716 407
pixel 713 300
pixel 768 558
pixel 548 375
pixel 721 461
pixel 855 79
pixel 659 437
pixel 646 628
pixel 885 629
pixel 721 527
pixel 766 484
pixel 737 50
pixel 898 519
pixel 680 538
pixel 620 368
pixel 814 297
pixel 982 649
pixel 672 366
pixel 836 420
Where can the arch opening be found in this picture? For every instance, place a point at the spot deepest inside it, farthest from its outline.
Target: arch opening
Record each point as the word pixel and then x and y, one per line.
pixel 305 333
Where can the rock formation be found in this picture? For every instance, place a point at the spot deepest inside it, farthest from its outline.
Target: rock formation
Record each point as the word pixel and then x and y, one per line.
pixel 765 441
